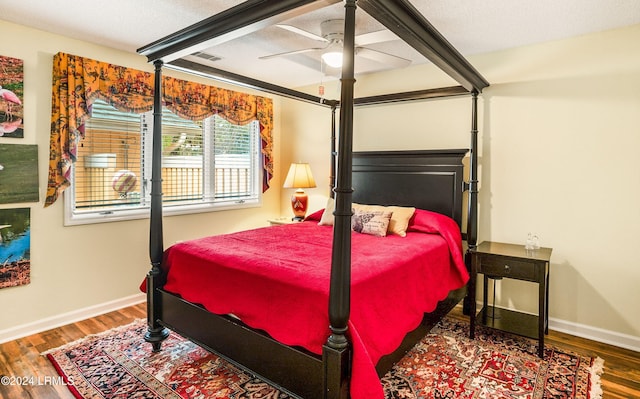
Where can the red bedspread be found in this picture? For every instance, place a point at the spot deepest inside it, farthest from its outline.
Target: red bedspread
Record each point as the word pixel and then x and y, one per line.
pixel 277 279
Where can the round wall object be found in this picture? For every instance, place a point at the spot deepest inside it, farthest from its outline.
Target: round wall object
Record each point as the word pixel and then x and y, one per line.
pixel 124 181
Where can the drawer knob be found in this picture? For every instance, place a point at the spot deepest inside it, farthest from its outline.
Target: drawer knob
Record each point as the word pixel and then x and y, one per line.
pixel 507 268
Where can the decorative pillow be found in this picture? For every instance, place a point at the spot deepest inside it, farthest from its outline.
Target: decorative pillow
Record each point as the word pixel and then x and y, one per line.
pixel 399 220
pixel 374 223
pixel 327 215
pixel 315 216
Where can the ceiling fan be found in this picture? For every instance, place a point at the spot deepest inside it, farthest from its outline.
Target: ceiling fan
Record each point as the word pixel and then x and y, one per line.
pixel 332 33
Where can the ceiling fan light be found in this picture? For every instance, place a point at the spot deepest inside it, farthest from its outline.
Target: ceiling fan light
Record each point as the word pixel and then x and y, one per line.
pixel 333 58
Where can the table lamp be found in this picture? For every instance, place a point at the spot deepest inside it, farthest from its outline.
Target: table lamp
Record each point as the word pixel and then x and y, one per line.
pixel 299 177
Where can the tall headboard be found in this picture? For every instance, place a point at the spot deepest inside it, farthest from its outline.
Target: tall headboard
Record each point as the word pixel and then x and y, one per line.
pixel 428 179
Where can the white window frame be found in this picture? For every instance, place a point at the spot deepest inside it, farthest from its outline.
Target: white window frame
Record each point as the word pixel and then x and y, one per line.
pixel 73 216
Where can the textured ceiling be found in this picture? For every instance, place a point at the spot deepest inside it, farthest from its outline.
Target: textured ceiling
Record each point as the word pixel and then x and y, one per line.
pixel 472 26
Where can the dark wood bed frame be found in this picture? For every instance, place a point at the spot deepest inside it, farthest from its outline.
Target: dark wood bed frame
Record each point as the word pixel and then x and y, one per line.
pixel 424 179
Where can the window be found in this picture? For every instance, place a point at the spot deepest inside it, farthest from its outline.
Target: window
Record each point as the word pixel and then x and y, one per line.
pixel 206 165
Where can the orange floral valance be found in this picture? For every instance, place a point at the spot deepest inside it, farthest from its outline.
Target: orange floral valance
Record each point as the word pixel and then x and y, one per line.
pixel 79 81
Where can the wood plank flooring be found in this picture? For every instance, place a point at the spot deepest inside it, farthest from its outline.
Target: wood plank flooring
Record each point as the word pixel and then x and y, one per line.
pixel 22 357
pixel 621 379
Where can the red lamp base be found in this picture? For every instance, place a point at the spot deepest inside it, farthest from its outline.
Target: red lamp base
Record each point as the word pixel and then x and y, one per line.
pixel 299 202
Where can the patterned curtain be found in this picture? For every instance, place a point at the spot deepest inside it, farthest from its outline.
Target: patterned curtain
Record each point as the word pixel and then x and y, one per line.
pixel 78 82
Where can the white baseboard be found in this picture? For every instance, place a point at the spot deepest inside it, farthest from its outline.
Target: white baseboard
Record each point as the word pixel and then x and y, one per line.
pixel 589 332
pixel 596 334
pixel 48 323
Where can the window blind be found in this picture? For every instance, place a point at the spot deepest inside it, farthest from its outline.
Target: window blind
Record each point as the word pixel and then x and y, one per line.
pixel 206 162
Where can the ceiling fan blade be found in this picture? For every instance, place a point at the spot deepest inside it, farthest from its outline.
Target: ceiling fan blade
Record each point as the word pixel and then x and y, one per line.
pixel 375 37
pixel 383 58
pixel 305 50
pixel 302 32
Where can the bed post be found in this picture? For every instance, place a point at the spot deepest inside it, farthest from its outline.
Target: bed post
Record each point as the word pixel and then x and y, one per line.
pixel 332 173
pixel 469 308
pixel 472 213
pixel 336 352
pixel 156 333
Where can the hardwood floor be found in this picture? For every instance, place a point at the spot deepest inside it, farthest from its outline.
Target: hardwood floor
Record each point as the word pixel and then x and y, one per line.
pixel 21 357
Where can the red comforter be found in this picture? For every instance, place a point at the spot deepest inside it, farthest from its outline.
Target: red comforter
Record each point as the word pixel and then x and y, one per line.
pixel 277 279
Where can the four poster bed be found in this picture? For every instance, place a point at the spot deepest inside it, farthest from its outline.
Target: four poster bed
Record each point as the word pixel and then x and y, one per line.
pixel 324 316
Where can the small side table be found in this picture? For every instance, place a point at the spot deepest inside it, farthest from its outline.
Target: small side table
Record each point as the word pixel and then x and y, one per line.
pixel 497 260
pixel 282 220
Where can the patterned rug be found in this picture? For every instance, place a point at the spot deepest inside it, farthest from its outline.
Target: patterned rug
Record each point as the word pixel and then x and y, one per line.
pixel 445 364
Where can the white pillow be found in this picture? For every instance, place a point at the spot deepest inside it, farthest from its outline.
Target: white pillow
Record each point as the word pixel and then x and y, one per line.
pixel 327 215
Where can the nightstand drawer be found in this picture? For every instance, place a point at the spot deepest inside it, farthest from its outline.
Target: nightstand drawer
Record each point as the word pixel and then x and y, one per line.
pixel 497 266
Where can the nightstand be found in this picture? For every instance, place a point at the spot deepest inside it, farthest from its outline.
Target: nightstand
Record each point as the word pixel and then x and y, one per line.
pixel 282 220
pixel 497 260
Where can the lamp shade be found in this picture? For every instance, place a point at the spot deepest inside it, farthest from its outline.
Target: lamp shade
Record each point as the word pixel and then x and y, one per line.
pixel 332 54
pixel 333 58
pixel 299 176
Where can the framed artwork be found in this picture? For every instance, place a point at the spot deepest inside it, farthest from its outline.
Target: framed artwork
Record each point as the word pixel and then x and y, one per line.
pixel 15 247
pixel 11 95
pixel 18 173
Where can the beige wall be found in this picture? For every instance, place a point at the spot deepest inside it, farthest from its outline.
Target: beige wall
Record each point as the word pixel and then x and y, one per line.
pixel 77 268
pixel 559 136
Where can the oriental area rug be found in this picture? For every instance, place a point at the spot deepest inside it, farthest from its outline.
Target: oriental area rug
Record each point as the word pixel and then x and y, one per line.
pixel 445 364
